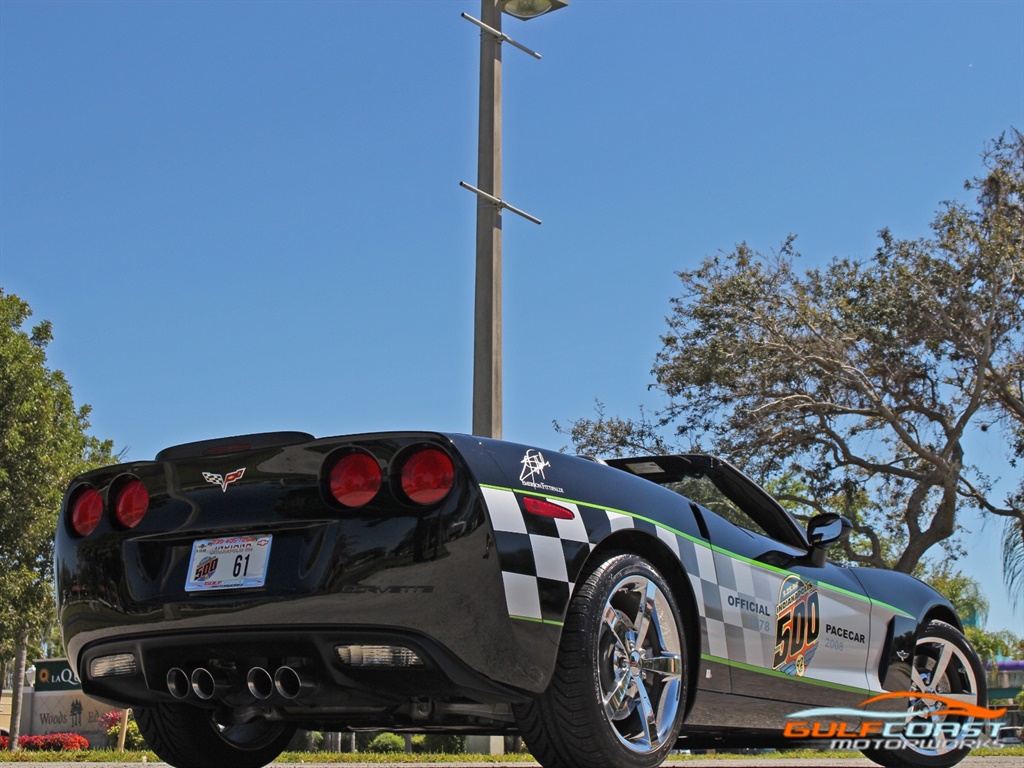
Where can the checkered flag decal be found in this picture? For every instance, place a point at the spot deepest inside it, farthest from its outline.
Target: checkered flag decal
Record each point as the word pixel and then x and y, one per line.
pixel 542 557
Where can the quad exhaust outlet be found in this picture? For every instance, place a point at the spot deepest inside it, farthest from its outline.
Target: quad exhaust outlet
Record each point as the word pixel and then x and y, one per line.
pixel 287 682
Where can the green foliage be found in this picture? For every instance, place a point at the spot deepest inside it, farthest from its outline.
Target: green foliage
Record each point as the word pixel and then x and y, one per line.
pixel 961 590
pixel 444 743
pixel 132 737
pixel 1013 549
pixel 43 444
pixel 614 436
pixel 859 381
pixel 306 741
pixel 1019 699
pixel 387 742
pixel 993 645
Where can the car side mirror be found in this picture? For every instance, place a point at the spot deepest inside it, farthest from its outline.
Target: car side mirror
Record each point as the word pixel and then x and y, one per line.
pixel 823 531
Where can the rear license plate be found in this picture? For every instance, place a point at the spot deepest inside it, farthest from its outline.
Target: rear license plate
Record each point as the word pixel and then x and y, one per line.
pixel 231 562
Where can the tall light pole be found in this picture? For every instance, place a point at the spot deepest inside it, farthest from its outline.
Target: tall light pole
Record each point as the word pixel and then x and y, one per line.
pixel 487 314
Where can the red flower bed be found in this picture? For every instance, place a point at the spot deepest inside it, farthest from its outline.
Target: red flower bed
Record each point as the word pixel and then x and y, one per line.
pixel 50 742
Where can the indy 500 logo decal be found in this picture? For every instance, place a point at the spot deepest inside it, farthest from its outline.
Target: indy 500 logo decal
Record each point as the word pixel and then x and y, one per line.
pixel 533 470
pixel 797 625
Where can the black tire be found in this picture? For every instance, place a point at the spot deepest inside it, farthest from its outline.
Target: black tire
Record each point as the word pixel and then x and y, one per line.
pixel 942 649
pixel 189 737
pixel 618 693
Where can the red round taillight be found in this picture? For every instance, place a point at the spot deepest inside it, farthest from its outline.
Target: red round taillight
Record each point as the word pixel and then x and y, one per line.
pixel 86 510
pixel 355 479
pixel 132 503
pixel 427 476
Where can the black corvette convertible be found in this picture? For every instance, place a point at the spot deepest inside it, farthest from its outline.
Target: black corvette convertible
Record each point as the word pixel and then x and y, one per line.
pixel 233 590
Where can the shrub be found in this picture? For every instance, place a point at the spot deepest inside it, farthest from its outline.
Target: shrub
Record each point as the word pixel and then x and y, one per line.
pixel 387 742
pixel 50 742
pixel 306 741
pixel 111 721
pixel 132 737
pixel 444 743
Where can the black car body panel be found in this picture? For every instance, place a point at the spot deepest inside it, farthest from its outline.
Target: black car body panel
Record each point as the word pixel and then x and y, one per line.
pixel 476 584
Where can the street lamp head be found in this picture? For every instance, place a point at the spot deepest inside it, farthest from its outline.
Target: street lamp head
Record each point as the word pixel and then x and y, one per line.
pixel 528 9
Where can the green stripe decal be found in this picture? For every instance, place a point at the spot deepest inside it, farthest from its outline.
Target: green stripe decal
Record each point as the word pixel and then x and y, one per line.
pixel 892 608
pixel 537 621
pixel 695 540
pixel 784 676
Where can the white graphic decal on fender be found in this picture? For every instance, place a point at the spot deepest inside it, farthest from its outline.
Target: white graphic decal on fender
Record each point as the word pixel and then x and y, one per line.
pixel 533 468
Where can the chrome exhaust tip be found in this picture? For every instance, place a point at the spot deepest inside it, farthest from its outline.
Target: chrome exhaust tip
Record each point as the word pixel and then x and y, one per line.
pixel 177 683
pixel 291 683
pixel 260 683
pixel 205 685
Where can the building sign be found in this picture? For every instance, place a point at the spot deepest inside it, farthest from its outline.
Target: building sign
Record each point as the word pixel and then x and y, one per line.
pixel 57 705
pixel 56 675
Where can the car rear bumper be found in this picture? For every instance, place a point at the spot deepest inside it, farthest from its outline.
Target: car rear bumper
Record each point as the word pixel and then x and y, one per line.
pixel 295 671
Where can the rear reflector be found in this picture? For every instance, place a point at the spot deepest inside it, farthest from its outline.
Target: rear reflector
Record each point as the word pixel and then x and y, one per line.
pixel 109 666
pixel 378 656
pixel 86 510
pixel 355 479
pixel 427 476
pixel 132 503
pixel 546 508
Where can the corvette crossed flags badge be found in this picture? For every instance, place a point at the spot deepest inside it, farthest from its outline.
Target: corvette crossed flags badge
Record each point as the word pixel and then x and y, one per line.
pixel 224 480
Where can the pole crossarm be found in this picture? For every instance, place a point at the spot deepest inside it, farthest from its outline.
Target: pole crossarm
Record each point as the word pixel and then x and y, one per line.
pixel 501 36
pixel 499 202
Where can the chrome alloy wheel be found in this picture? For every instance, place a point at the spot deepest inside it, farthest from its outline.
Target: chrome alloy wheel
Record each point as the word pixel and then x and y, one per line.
pixel 937 733
pixel 640 664
pixel 941 667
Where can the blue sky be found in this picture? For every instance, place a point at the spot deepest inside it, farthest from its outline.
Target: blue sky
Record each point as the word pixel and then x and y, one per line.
pixel 245 216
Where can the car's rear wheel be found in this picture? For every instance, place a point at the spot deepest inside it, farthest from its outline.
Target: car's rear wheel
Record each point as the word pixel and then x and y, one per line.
pixel 618 693
pixel 944 665
pixel 189 737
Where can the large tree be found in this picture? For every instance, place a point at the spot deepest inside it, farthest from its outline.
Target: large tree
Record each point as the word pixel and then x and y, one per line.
pixel 43 444
pixel 858 382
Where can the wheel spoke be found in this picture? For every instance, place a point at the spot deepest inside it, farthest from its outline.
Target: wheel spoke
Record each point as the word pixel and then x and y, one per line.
pixel 646 612
pixel 615 700
pixel 916 680
pixel 648 716
pixel 940 666
pixel 615 623
pixel 669 665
